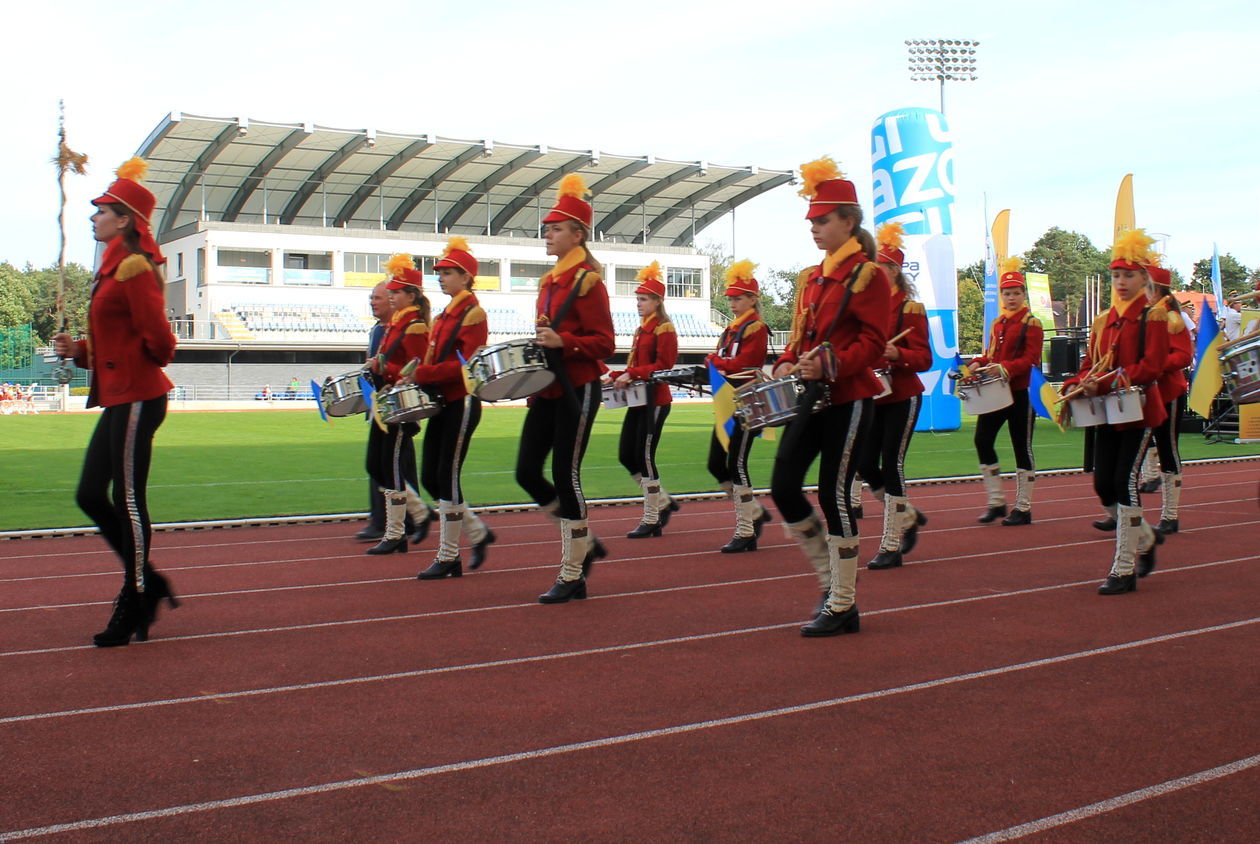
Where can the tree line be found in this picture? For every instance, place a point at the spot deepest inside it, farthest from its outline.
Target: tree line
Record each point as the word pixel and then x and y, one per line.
pixel 28 296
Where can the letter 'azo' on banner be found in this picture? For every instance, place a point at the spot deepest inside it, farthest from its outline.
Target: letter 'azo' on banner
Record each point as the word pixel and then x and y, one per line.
pixel 912 161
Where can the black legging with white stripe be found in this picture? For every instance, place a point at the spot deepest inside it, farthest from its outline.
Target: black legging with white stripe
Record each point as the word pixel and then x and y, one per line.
pixel 832 437
pixel 882 462
pixel 1166 437
pixel 392 456
pixel 730 465
pixel 1019 419
pixel 559 428
pixel 113 487
pixel 446 439
pixel 1118 464
pixel 640 437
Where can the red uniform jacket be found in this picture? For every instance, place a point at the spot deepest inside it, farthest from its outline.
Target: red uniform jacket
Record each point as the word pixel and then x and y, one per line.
pixel 860 333
pixel 586 329
pixel 129 339
pixel 1113 343
pixel 1015 341
pixel 916 351
pixel 414 333
pixel 1173 384
pixel 742 345
pixel 463 315
pixel 655 347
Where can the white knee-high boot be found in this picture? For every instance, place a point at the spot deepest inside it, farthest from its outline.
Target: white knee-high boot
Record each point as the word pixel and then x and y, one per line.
pixel 1170 503
pixel 1128 534
pixel 809 534
pixel 992 474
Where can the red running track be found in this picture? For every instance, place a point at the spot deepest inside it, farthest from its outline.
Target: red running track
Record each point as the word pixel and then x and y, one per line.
pixel 307 691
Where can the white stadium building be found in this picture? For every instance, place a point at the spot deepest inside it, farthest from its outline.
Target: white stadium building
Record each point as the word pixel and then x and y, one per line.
pixel 275 233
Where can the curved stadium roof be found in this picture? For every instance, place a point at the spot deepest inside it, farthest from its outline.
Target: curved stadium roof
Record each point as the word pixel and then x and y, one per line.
pixel 241 170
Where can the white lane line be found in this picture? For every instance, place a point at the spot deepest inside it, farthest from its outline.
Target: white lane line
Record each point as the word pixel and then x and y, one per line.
pixel 608 741
pixel 420 672
pixel 1113 803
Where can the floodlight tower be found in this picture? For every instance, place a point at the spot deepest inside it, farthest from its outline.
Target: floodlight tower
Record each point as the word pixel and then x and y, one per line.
pixel 940 60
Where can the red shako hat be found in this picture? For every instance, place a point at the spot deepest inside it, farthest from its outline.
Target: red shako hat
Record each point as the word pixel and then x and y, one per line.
pixel 1159 275
pixel 650 280
pixel 825 187
pixel 1132 250
pixel 1010 275
pixel 457 255
pixel 570 202
pixel 127 191
pixel 739 279
pixel 403 273
pixel 889 238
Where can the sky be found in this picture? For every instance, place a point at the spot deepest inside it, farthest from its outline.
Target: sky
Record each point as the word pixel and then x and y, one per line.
pixel 1070 97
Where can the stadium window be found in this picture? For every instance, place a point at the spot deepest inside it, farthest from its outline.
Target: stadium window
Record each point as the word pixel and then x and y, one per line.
pixel 363 269
pixel 243 266
pixel 308 268
pixel 487 275
pixel 625 281
pixel 179 265
pixel 683 282
pixel 526 275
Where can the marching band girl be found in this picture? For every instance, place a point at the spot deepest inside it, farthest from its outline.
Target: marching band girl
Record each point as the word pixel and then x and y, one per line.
pixel 741 349
pixel 1128 345
pixel 840 331
pixel 456 334
pixel 406 340
pixel 882 464
pixel 128 342
pixel 655 347
pixel 575 328
pixel 1172 389
pixel 1015 340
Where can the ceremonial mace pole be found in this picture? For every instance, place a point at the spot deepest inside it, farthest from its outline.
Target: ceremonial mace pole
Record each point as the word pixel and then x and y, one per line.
pixel 66 160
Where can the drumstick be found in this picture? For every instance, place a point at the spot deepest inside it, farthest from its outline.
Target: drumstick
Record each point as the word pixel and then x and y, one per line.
pixel 1080 390
pixel 1244 297
pixel 902 334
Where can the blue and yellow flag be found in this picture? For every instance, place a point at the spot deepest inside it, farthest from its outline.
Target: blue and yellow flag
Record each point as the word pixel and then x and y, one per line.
pixel 463 371
pixel 960 367
pixel 1207 380
pixel 319 402
pixel 723 406
pixel 1040 394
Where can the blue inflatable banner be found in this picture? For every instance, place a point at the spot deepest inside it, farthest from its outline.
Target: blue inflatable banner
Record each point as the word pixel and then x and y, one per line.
pixel 912 163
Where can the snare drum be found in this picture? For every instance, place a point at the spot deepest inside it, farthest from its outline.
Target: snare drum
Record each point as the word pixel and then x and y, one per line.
pixel 1124 405
pixel 1241 360
pixel 634 395
pixel 407 403
pixel 885 380
pixel 985 394
pixel 516 369
pixel 769 404
pixel 1088 412
pixel 341 395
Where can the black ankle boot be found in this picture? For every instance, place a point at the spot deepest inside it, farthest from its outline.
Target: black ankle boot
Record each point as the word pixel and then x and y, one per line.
pixel 597 552
pixel 763 519
pixel 156 589
pixel 667 513
pixel 479 551
pixel 1018 517
pixel 421 531
pixel 885 560
pixel 911 537
pixel 1146 561
pixel 828 623
pixel 992 514
pixel 645 530
pixel 564 590
pixel 1150 486
pixel 1108 524
pixel 442 568
pixel 390 546
pixel 739 544
pixel 129 617
pixel 1167 526
pixel 1117 584
pixel 857 512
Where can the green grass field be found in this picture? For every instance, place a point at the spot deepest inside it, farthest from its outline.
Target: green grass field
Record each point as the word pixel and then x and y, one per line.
pixel 219 465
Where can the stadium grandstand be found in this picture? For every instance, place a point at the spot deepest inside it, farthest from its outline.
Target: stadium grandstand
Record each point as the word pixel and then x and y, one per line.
pixel 276 232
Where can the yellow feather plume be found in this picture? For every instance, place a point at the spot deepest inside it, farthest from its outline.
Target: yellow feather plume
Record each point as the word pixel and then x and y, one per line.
pixel 1012 264
pixel 814 173
pixel 397 263
pixel 890 235
pixel 1134 246
pixel 740 271
pixel 652 272
pixel 133 168
pixel 455 242
pixel 572 185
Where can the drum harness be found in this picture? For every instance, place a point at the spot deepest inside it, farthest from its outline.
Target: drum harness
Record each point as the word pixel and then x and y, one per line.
pixel 553 356
pixel 812 392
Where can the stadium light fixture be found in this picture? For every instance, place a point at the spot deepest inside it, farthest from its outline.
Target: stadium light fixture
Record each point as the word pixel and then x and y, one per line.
pixel 941 61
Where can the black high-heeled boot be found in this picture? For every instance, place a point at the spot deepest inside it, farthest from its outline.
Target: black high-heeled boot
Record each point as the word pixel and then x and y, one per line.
pixel 156 589
pixel 442 568
pixel 129 618
pixel 421 528
pixel 564 590
pixel 761 520
pixel 667 513
pixel 828 623
pixel 992 515
pixel 390 546
pixel 740 544
pixel 645 530
pixel 885 560
pixel 479 551
pixel 1118 584
pixel 597 552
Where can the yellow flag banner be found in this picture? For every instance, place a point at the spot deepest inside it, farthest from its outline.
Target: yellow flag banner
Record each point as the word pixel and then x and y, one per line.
pixel 1125 216
pixel 1001 235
